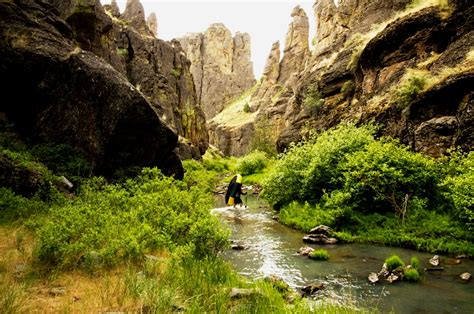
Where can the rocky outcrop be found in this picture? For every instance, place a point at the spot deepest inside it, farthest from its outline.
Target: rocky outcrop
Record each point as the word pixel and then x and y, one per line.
pixel 365 53
pixel 63 87
pixel 152 23
pixel 161 71
pixel 220 65
pixel 135 15
pixel 272 66
pixel 296 45
pixel 113 8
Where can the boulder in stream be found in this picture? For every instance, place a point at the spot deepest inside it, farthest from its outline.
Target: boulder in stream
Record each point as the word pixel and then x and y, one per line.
pixel 305 250
pixel 319 239
pixel 321 229
pixel 237 247
pixel 311 289
pixel 434 260
pixel 465 276
pixel 373 277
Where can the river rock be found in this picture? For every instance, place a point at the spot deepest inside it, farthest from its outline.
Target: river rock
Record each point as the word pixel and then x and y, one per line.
pixel 384 271
pixel 65 183
pixel 305 250
pixel 318 239
pixel 237 247
pixel 373 277
pixel 392 278
pixel 434 260
pixel 466 276
pixel 321 229
pixel 311 290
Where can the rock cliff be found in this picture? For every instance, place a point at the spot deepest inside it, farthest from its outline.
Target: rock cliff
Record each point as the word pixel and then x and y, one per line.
pixel 83 76
pixel 220 65
pixel 407 67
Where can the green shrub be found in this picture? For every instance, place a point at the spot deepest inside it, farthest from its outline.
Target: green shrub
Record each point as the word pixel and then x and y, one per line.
pixel 313 100
pixel 320 255
pixel 393 262
pixel 415 263
pixel 14 207
pixel 412 275
pixel 110 223
pixel 309 169
pixel 409 90
pixel 252 163
pixel 306 216
pixel 387 176
pixel 458 186
pixel 246 107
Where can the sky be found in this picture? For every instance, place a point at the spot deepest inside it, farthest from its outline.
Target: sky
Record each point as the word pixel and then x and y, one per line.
pixel 265 20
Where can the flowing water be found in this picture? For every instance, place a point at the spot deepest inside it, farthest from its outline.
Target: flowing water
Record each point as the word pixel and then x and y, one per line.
pixel 270 248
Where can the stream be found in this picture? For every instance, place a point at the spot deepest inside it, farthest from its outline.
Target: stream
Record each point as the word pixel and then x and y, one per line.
pixel 270 248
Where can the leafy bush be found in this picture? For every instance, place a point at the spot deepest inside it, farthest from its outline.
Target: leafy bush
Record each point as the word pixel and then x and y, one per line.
pixel 313 100
pixel 109 223
pixel 309 169
pixel 348 180
pixel 320 255
pixel 306 216
pixel 412 275
pixel 458 186
pixel 252 163
pixel 409 90
pixel 393 262
pixel 14 207
pixel 386 176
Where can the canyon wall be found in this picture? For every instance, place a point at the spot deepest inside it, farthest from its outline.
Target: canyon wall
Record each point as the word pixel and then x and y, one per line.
pixel 366 61
pixel 220 65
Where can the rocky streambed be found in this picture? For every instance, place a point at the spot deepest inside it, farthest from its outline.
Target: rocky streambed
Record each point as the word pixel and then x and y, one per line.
pixel 268 248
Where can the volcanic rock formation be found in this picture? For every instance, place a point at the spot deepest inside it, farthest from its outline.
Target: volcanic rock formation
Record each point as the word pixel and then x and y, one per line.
pixel 220 65
pixel 78 76
pixel 365 58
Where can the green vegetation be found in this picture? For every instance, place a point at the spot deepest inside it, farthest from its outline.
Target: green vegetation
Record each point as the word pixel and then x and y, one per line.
pixel 252 163
pixel 264 137
pixel 148 242
pixel 176 72
pixel 246 107
pixel 313 100
pixel 412 275
pixel 394 262
pixel 409 90
pixel 112 223
pixel 320 255
pixel 234 113
pixel 415 263
pixel 375 191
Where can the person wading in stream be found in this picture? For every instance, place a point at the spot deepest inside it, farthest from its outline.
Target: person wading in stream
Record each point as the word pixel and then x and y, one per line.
pixel 234 191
